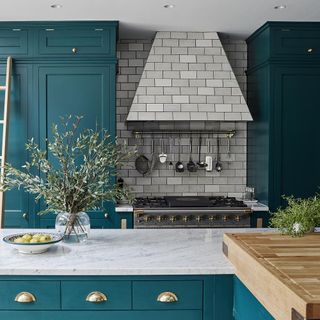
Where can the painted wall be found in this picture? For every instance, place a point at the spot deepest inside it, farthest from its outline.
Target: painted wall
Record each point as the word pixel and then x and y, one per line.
pixel 132 55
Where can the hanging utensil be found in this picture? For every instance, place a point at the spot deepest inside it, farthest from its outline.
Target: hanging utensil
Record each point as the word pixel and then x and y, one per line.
pixel 171 154
pixel 142 163
pixel 218 163
pixel 229 136
pixel 179 164
pixel 200 163
pixel 208 157
pixel 154 158
pixel 162 156
pixel 191 166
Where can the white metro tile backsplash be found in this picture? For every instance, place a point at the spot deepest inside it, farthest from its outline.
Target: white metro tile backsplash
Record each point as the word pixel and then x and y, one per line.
pixel 231 181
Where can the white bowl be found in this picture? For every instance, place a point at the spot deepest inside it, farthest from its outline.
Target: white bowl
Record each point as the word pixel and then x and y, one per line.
pixel 32 248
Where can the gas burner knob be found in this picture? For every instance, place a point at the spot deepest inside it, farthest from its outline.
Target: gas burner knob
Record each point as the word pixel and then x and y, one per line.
pixel 237 218
pixel 148 218
pixel 198 218
pixel 211 219
pixel 172 219
pixel 224 218
pixel 159 218
pixel 185 219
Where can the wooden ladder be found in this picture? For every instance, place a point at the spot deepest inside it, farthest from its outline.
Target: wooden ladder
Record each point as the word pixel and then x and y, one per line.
pixel 5 128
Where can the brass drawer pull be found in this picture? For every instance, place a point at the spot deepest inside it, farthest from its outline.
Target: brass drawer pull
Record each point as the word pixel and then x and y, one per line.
pixel 167 297
pixel 96 297
pixel 25 297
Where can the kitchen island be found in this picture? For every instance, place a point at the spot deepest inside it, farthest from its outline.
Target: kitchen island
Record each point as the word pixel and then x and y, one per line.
pixel 282 272
pixel 121 274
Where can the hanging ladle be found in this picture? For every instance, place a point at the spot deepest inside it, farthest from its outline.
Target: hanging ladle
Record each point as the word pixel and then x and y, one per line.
pixel 218 163
pixel 179 164
pixel 191 166
pixel 201 164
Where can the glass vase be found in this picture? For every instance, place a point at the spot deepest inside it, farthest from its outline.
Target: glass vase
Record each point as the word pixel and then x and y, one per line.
pixel 74 227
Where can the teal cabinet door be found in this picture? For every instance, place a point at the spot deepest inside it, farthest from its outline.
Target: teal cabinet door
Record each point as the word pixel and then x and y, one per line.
pixel 16 201
pixel 246 306
pixel 84 90
pixel 297 120
pixel 102 315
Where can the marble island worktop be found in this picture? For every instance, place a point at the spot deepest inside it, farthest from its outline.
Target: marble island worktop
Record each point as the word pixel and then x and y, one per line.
pixel 126 252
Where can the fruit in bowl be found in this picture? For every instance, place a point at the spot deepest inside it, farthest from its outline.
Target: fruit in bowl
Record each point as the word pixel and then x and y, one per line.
pixel 31 243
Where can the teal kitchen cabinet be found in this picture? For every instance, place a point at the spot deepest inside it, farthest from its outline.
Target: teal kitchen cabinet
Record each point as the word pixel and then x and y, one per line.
pixel 52 80
pixel 283 86
pixel 208 297
pixel 246 306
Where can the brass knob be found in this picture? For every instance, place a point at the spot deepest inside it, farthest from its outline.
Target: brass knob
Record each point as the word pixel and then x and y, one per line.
pixel 198 218
pixel 74 50
pixel 25 297
pixel 96 297
pixel 167 297
pixel 185 218
pixel 211 219
pixel 25 216
pixel 172 218
pixel 159 218
pixel 237 218
pixel 224 218
pixel 310 50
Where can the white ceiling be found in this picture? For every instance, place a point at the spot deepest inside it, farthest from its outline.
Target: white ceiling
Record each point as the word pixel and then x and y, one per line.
pixel 141 18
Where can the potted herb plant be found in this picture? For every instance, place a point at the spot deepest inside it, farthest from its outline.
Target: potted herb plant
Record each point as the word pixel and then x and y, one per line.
pixel 300 216
pixel 74 175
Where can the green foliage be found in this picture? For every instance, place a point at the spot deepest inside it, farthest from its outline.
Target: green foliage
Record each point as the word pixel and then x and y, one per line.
pixel 299 217
pixel 79 177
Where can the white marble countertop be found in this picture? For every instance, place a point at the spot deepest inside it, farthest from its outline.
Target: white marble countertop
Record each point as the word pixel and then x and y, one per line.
pixel 124 208
pixel 126 252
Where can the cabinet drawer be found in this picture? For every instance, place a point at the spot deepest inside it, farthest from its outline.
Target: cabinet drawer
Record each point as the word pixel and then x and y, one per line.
pixel 46 294
pixel 102 315
pixel 95 41
pixel 146 293
pixel 296 42
pixel 13 42
pixel 117 294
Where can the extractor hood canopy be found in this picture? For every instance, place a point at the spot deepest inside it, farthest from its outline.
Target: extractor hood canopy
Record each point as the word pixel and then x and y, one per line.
pixel 187 77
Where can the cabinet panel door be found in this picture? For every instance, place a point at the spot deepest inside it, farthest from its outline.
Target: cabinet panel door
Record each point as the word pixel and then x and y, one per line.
pixel 296 115
pixel 102 315
pixel 13 42
pixel 16 201
pixel 77 90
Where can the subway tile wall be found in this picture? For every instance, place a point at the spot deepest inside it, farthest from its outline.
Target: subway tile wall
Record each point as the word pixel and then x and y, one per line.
pixel 132 55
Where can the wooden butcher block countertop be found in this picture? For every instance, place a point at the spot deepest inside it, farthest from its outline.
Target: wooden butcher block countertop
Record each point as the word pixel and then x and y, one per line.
pixel 282 272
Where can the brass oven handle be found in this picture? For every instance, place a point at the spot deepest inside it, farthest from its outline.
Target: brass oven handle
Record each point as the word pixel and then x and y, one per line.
pixel 96 297
pixel 167 297
pixel 25 297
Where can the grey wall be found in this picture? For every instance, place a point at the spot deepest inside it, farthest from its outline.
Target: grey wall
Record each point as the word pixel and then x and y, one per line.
pixel 231 181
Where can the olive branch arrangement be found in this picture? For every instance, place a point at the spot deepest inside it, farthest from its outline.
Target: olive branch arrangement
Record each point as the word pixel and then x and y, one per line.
pixel 76 171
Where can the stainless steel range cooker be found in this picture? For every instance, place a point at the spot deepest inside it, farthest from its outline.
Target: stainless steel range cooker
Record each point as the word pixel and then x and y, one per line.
pixel 190 212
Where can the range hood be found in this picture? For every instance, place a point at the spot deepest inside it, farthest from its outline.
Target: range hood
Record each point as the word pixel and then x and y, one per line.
pixel 187 77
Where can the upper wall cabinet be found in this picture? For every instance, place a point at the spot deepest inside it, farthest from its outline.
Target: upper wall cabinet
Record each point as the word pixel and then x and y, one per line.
pixel 82 41
pixel 14 41
pixel 284 41
pixel 63 39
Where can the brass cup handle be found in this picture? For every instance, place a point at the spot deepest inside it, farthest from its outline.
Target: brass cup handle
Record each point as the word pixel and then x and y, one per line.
pixel 167 297
pixel 96 297
pixel 25 297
